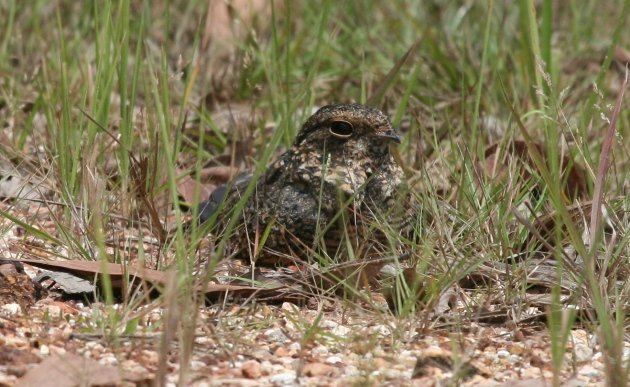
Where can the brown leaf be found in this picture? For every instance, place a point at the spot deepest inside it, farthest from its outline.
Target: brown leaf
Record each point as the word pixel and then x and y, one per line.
pixel 70 370
pixel 219 174
pixel 209 179
pixel 16 286
pixel 16 360
pixel 593 64
pixel 91 268
pixel 188 188
pixel 447 299
pixel 230 19
pixel 157 279
pixel 622 55
pixel 544 226
pixel 436 361
pixel 500 157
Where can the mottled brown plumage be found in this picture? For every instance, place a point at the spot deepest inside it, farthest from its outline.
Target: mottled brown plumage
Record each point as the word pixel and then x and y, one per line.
pixel 324 194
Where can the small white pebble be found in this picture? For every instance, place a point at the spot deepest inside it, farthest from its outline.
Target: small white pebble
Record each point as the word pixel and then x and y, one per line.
pixel 514 358
pixel 94 345
pixel 276 335
pixel 410 353
pixel 351 370
pixel 502 353
pixel 57 350
pixel 266 367
pixel 109 360
pixel 44 350
pixel 295 346
pixel 341 330
pixel 290 307
pixel 53 310
pixel 319 350
pixel 261 353
pixel 286 360
pixel 283 378
pixel 203 340
pixel 196 365
pixel 589 372
pixel 11 309
pixel 378 351
pixel 393 374
pixel 382 330
pixel 334 360
pixel 582 353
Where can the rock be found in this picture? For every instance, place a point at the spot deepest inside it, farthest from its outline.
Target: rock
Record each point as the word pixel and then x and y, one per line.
pixel 251 369
pixel 320 369
pixel 283 378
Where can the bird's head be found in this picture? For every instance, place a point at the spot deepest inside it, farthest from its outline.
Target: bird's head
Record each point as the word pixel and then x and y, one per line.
pixel 353 127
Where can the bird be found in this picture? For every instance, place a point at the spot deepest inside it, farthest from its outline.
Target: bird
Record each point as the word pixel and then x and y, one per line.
pixel 325 196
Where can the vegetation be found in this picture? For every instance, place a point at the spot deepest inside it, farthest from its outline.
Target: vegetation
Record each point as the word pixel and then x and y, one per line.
pixel 515 145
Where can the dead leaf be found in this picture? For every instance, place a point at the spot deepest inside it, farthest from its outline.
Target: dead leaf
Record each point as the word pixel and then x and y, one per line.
pixel 89 269
pixel 621 55
pixel 227 20
pixel 16 359
pixel 433 362
pixel 210 179
pixel 157 279
pixel 70 370
pixel 436 361
pixel 68 283
pixel 189 187
pixel 447 299
pixel 18 183
pixel 593 64
pixel 500 157
pixel 16 286
pixel 219 174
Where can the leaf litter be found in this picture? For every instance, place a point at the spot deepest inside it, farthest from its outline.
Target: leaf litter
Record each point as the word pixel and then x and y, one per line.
pixel 497 337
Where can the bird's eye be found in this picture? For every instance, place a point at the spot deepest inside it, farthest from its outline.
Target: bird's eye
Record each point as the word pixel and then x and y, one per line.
pixel 341 129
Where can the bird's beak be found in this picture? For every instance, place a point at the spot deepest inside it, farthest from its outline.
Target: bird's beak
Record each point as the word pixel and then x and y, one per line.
pixel 392 135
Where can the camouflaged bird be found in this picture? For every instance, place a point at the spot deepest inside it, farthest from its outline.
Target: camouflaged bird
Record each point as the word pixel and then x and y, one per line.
pixel 328 193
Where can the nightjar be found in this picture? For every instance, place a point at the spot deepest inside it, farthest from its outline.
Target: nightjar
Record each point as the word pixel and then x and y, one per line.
pixel 333 193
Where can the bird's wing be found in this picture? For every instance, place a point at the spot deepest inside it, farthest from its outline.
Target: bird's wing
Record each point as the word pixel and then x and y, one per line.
pixel 209 207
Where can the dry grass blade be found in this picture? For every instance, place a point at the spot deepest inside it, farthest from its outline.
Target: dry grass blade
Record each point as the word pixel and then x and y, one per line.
pixel 541 166
pixel 30 229
pixel 387 82
pixel 602 169
pixel 610 332
pixel 139 175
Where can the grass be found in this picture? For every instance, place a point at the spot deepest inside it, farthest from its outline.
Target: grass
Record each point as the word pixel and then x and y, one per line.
pixel 114 102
